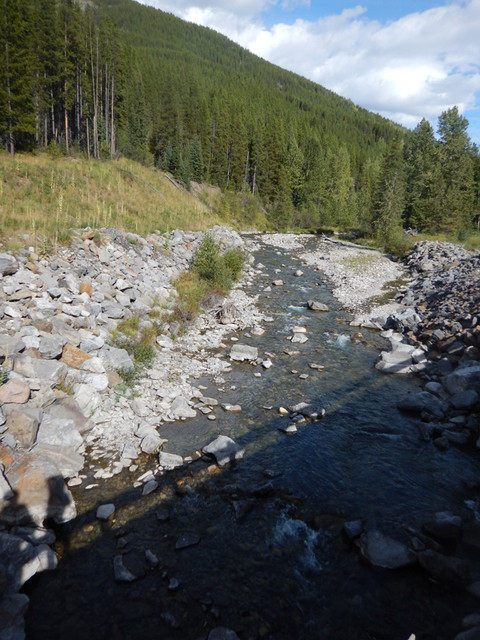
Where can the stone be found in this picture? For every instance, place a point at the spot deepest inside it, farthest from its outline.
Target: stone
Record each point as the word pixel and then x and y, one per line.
pixel 469 634
pixel 23 424
pixel 86 287
pixel 422 401
pixel 465 399
pixel 187 540
pixel 241 352
pixel 120 571
pixel 104 511
pixel 394 362
pixel 22 560
pixel 13 607
pixel 73 356
pixel 40 492
pixel 152 443
pixel 299 338
pixel 317 306
pixel 232 408
pixel 289 429
pixel 445 526
pixel 181 409
pixel 463 378
pixel 5 489
pixel 58 432
pixel 224 450
pixel 87 398
pixel 353 529
pixel 222 633
pixel 382 551
pixel 169 461
pixel 165 342
pixel 149 487
pixel 50 371
pixel 445 568
pixel 15 392
pixel 139 407
pixel 51 347
pixel 116 359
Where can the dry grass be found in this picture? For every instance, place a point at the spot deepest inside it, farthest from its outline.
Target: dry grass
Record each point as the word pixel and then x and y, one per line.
pixel 44 197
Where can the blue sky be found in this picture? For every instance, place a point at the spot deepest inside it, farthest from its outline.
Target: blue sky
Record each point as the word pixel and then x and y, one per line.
pixel 404 59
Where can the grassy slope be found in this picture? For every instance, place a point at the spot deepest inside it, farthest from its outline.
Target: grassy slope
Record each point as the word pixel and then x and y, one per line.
pixel 43 198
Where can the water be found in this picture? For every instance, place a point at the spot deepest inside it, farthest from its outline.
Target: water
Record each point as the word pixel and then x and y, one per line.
pixel 272 562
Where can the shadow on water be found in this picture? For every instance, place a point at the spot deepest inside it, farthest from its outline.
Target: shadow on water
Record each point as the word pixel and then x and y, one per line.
pixel 267 557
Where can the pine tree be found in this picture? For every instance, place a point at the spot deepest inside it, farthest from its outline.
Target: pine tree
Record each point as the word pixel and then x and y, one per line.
pixel 17 114
pixel 457 171
pixel 390 195
pixel 424 180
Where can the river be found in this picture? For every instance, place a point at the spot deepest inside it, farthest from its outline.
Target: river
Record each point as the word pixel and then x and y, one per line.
pixel 270 559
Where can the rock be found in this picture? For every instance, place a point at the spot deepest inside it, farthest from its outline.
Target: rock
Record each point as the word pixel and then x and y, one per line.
pixel 120 571
pixel 382 551
pixel 51 347
pixel 169 461
pixel 58 432
pixel 13 607
pixel 14 391
pixel 317 306
pixel 288 428
pixel 116 359
pixel 241 352
pixel 73 356
pixel 152 443
pixel 40 492
pixel 181 409
pixel 104 511
pixel 422 401
pixel 463 378
pixel 394 362
pixel 470 634
pixel 465 399
pixel 49 371
pixel 445 568
pixel 232 408
pixel 87 398
pixel 187 540
pixel 222 633
pixel 445 526
pixel 224 450
pixel 23 423
pixel 165 342
pixel 139 407
pixel 353 529
pixel 149 487
pixel 22 560
pixel 277 283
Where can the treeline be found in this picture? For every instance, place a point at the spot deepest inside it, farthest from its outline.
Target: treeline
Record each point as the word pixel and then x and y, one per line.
pixel 67 80
pixel 119 77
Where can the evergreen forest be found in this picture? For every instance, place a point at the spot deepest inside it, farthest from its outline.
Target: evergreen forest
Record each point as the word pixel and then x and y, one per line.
pixel 114 78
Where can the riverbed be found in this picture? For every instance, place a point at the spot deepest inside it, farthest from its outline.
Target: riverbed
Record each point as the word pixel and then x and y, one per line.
pixel 266 554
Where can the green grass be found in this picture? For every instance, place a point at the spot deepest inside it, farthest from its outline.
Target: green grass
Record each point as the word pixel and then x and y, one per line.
pixel 45 197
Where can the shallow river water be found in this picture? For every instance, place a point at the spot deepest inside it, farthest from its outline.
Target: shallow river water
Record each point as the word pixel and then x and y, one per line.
pixel 271 561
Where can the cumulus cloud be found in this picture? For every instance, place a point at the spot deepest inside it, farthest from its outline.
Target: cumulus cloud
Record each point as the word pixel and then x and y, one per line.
pixel 407 69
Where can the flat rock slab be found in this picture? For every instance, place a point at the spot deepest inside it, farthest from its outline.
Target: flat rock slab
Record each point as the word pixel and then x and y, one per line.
pixel 169 461
pixel 224 450
pixel 14 391
pixel 241 352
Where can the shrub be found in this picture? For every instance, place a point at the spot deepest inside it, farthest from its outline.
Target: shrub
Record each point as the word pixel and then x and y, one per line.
pixel 207 259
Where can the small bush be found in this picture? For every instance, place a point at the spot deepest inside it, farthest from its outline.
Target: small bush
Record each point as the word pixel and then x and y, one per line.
pixel 207 259
pixel 233 260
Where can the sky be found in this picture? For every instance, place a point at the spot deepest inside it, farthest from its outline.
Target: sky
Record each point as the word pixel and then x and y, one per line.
pixel 403 59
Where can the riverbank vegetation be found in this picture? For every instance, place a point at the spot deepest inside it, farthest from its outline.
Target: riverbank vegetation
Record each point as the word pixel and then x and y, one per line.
pixel 112 80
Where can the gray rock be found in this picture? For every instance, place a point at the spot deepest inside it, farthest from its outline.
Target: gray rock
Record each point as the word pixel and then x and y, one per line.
pixel 181 409
pixel 422 401
pixel 50 371
pixel 23 423
pixel 120 571
pixel 397 361
pixel 87 398
pixel 22 560
pixel 116 359
pixel 353 529
pixel 445 568
pixel 224 450
pixel 465 399
pixel 165 342
pixel 5 489
pixel 104 511
pixel 149 487
pixel 222 633
pixel 58 432
pixel 139 407
pixel 51 347
pixel 464 378
pixel 382 551
pixel 317 306
pixel 169 461
pixel 152 443
pixel 13 607
pixel 187 540
pixel 241 352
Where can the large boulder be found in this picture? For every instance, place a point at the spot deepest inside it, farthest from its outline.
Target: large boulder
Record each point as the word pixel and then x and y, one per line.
pixel 224 450
pixel 382 551
pixel 241 352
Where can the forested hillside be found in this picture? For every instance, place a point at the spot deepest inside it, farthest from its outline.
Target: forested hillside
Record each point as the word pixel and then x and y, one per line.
pixel 113 77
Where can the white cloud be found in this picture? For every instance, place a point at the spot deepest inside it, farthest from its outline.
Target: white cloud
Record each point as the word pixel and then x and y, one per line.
pixel 406 69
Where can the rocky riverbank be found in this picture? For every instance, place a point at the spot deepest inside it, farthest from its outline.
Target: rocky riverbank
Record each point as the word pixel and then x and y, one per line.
pixel 63 403
pixel 61 392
